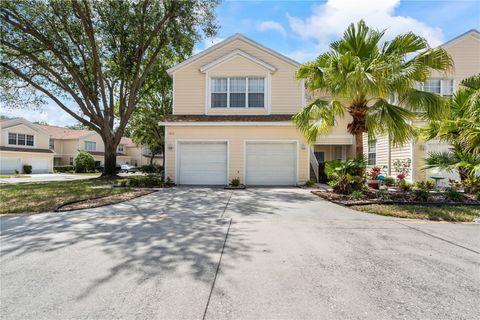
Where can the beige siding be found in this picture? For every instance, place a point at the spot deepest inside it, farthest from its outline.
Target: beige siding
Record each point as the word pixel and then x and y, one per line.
pixel 465 53
pixel 41 139
pixel 189 82
pixel 236 136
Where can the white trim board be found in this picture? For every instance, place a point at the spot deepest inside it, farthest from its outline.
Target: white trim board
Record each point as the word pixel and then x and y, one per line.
pixel 236 36
pixel 237 53
pixel 228 124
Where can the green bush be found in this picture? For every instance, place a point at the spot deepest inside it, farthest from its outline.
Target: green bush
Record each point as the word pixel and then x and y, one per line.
pixel 169 182
pixel 425 185
pixel 84 162
pixel 235 182
pixel 453 194
pixel 337 168
pixel 309 183
pixel 471 185
pixel 477 196
pixel 27 169
pixel 67 168
pixel 151 168
pixel 357 195
pixel 149 181
pixel 382 195
pixel 421 195
pixel 404 186
pixel 389 181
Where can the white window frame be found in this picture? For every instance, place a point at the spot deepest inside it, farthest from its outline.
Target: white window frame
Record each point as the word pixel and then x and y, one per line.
pixel 26 135
pixel 443 86
pixel 92 142
pixel 266 93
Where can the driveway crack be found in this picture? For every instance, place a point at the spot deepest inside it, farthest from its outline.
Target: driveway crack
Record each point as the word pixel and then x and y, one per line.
pixel 439 238
pixel 218 267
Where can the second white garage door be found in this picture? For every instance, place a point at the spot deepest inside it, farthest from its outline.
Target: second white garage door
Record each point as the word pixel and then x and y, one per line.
pixel 39 165
pixel 271 163
pixel 9 165
pixel 202 163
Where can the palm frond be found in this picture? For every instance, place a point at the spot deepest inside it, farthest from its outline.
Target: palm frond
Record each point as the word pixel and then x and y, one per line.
pixel 424 103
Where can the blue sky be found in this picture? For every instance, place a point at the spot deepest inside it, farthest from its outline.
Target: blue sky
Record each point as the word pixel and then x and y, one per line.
pixel 303 29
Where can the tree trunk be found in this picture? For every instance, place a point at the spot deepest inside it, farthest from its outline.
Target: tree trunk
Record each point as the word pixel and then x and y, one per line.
pixel 359 144
pixel 152 157
pixel 110 166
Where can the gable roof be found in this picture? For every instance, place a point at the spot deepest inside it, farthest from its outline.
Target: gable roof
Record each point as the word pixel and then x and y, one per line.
pixel 11 122
pixel 472 32
pixel 236 36
pixel 235 53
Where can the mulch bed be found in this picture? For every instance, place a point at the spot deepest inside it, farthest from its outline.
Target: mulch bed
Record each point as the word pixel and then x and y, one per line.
pixel 103 201
pixel 392 198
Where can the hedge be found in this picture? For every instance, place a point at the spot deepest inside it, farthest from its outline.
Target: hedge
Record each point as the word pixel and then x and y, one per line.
pixel 67 168
pixel 27 169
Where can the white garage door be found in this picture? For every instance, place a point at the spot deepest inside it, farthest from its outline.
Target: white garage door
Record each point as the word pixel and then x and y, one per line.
pixel 9 165
pixel 203 163
pixel 39 165
pixel 270 163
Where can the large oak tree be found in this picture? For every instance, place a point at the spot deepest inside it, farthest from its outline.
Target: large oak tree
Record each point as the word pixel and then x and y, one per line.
pixel 93 57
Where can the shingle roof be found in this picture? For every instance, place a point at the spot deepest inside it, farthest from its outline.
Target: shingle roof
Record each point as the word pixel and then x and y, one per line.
pixel 64 133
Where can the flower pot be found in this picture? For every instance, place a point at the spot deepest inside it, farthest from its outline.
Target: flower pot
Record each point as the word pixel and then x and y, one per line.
pixel 374 184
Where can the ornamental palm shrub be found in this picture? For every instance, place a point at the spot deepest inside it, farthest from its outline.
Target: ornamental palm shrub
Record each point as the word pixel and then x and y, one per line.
pixel 374 81
pixel 83 162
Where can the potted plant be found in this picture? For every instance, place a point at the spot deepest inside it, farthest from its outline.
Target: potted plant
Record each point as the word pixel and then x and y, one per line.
pixel 372 177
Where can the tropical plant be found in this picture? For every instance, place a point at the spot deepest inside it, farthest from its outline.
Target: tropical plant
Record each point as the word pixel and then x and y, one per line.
pixel 421 195
pixel 389 181
pixel 404 186
pixel 235 182
pixel 464 162
pixel 453 194
pixel 374 83
pixel 374 172
pixel 472 184
pixel 336 168
pixel 425 184
pixel 357 195
pixel 461 126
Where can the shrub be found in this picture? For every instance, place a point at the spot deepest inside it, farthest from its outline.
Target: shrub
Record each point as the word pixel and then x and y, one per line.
pixel 27 169
pixel 235 182
pixel 425 185
pixel 16 171
pixel 84 162
pixel 67 168
pixel 389 181
pixel 421 195
pixel 309 183
pixel 383 195
pixel 151 168
pixel 404 186
pixel 471 185
pixel 477 196
pixel 374 172
pixel 357 195
pixel 336 168
pixel 143 181
pixel 453 194
pixel 169 182
pixel 454 183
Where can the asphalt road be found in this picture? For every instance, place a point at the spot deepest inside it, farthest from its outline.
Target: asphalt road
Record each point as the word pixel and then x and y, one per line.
pixel 189 253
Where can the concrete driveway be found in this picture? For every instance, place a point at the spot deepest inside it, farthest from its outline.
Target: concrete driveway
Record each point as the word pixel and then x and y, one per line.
pixel 189 253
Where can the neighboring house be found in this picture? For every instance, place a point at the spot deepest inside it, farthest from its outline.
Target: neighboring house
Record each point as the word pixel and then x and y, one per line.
pixel 232 118
pixel 23 143
pixel 465 52
pixel 45 146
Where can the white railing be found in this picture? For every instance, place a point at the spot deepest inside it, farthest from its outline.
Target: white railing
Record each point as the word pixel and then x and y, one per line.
pixel 314 163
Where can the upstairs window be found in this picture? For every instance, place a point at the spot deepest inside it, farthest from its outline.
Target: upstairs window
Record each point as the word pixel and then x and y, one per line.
pixel 120 148
pixel 372 152
pixel 442 87
pixel 238 92
pixel 12 138
pixel 51 144
pixel 20 139
pixel 90 145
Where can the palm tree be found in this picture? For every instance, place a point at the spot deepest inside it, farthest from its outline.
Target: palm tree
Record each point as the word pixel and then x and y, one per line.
pixel 374 83
pixel 461 129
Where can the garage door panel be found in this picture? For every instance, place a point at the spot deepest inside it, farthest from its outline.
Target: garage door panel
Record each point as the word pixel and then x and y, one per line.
pixel 39 165
pixel 271 163
pixel 8 165
pixel 203 163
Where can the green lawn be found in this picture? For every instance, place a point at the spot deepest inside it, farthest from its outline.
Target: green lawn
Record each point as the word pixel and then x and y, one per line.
pixel 440 213
pixel 46 196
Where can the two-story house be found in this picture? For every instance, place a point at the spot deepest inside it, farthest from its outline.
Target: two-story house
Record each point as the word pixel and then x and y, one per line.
pixel 465 52
pixel 232 118
pixel 23 143
pixel 46 146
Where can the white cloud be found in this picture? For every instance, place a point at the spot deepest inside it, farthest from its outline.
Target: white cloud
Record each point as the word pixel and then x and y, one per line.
pixel 206 43
pixel 303 55
pixel 271 25
pixel 329 20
